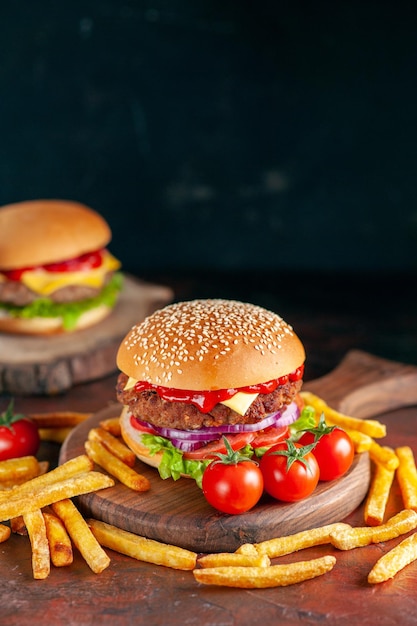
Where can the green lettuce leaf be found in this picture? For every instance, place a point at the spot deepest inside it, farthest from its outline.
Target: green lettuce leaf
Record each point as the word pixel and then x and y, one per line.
pixel 173 465
pixel 306 421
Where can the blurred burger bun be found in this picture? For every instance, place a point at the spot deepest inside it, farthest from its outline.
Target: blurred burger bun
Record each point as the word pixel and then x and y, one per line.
pixel 37 232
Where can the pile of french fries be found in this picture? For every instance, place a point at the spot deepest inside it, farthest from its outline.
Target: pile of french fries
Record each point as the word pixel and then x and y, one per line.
pixel 38 502
pixel 40 506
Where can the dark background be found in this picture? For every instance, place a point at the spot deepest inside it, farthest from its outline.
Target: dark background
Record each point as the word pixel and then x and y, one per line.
pixel 217 134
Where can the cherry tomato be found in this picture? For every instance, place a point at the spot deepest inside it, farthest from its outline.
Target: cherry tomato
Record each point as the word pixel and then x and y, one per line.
pixel 232 483
pixel 334 449
pixel 19 436
pixel 212 449
pixel 290 471
pixel 232 488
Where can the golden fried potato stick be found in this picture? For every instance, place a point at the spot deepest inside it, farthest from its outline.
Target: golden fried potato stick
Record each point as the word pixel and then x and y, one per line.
pixel 114 466
pixel 18 470
pixel 20 503
pixel 41 562
pixel 304 539
pixel 113 445
pixel 140 548
pixel 81 535
pixel 58 419
pixel 361 441
pixel 378 494
pixel 5 532
pixel 350 538
pixel 112 425
pixel 407 477
pixel 57 435
pixel 74 466
pixel 263 577
pixel 395 560
pixel 43 467
pixel 17 525
pixel 384 455
pixel 373 428
pixel 235 559
pixel 60 545
pixel 248 549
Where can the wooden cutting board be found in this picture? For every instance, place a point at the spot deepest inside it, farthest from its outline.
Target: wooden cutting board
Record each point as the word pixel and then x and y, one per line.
pixel 31 365
pixel 176 512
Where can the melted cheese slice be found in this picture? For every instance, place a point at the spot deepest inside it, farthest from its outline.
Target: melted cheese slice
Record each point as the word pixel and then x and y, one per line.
pixel 45 283
pixel 239 403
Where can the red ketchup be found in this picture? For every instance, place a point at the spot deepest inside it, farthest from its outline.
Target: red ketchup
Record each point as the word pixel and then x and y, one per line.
pixel 206 400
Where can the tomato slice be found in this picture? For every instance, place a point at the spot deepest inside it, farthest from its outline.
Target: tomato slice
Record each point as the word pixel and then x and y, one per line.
pixel 209 451
pixel 141 427
pixel 270 436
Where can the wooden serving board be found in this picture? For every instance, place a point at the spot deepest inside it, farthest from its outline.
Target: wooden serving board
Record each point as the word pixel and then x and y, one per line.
pixel 34 365
pixel 176 512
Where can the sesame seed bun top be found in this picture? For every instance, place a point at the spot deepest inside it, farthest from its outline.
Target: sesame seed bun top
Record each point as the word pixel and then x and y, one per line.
pixel 210 344
pixel 38 232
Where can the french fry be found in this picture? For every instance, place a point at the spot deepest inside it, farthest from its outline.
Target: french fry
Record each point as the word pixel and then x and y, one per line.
pixel 140 548
pixel 384 456
pixel 263 577
pixel 407 477
pixel 223 559
pixel 18 470
pixel 5 532
pixel 113 445
pixel 81 535
pixel 361 441
pixel 18 526
pixel 74 466
pixel 378 494
pixel 304 539
pixel 112 425
pixel 19 503
pixel 373 428
pixel 248 549
pixel 114 466
pixel 60 545
pixel 41 562
pixel 347 539
pixel 57 435
pixel 395 560
pixel 43 467
pixel 58 419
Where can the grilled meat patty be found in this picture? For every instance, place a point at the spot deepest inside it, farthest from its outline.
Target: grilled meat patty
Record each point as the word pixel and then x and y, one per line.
pixel 149 407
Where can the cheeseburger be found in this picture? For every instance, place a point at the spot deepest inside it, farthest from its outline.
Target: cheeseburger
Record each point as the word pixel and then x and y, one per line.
pixel 194 372
pixel 56 274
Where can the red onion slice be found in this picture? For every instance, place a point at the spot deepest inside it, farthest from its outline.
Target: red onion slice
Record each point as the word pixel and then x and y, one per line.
pixel 187 445
pixel 204 435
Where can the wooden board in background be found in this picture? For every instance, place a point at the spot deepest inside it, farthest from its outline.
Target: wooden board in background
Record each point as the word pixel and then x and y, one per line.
pixel 34 365
pixel 176 511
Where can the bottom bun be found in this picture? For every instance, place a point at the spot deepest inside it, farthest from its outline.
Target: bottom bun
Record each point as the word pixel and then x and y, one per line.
pixel 131 436
pixel 51 325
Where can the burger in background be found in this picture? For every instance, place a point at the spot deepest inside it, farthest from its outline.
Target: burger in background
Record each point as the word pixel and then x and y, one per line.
pixel 195 372
pixel 56 274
